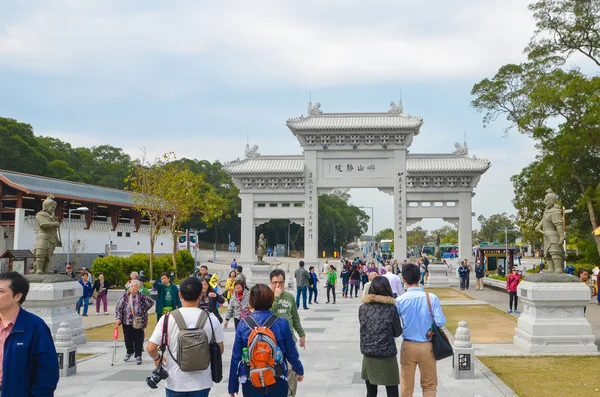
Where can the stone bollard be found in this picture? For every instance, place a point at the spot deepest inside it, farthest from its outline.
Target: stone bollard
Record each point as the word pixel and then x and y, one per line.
pixel 463 365
pixel 66 350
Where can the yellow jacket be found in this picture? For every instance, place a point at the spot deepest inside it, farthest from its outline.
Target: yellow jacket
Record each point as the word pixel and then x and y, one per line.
pixel 229 286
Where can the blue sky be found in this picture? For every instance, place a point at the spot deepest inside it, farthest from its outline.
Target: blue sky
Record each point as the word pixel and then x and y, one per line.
pixel 198 77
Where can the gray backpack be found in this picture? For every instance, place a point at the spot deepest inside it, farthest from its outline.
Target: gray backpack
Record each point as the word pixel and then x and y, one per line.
pixel 193 350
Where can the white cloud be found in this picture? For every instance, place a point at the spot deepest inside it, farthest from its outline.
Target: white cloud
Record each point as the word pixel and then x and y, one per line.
pixel 305 43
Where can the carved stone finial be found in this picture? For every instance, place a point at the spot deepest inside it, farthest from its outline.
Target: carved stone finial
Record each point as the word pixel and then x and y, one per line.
pixel 64 336
pixel 396 109
pixel 462 339
pixel 460 150
pixel 314 110
pixel 252 152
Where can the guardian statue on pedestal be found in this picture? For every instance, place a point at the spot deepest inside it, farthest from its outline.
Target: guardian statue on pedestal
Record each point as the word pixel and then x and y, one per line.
pixel 47 237
pixel 262 248
pixel 551 226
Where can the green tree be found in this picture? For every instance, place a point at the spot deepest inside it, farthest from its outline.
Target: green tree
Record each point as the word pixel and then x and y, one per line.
pixel 339 222
pixel 385 234
pixel 493 228
pixel 448 235
pixel 416 237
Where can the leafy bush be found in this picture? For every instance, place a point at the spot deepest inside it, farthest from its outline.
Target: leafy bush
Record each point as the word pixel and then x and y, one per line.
pixel 498 277
pixel 112 267
pixel 185 263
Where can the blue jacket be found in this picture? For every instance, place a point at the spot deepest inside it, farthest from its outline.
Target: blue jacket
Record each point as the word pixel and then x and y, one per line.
pixel 283 337
pixel 479 271
pixel 463 272
pixel 87 288
pixel 30 364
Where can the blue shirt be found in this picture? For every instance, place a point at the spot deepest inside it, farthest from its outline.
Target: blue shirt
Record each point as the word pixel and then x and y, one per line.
pixel 414 313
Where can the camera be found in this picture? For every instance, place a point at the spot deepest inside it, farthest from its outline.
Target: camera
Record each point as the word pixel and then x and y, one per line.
pixel 158 374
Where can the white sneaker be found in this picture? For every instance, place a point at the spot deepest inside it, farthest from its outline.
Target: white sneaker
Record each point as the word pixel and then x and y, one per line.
pixel 97 313
pixel 106 313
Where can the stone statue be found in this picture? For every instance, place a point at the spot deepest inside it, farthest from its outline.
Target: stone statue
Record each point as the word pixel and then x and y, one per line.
pixel 314 110
pixel 262 248
pixel 252 152
pixel 551 226
pixel 396 109
pixel 436 253
pixel 461 150
pixel 47 238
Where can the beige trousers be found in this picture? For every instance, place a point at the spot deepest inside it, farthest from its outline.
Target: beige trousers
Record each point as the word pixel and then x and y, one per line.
pixel 421 354
pixel 479 283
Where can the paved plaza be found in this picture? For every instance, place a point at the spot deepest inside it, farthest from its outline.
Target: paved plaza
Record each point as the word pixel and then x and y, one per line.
pixel 332 361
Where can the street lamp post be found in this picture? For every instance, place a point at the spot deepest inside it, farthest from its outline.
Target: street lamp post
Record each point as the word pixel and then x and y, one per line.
pixel 372 229
pixel 565 212
pixel 82 209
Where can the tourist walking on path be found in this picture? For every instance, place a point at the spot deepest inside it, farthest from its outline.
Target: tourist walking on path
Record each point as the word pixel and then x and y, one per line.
pixel 512 282
pixel 28 359
pixel 239 307
pixel 240 276
pixel 188 383
pixel 132 313
pixel 331 282
pixel 379 326
pixel 422 271
pixel 261 299
pixel 313 286
pixel 229 284
pixel 209 299
pixel 479 274
pixel 84 299
pixel 168 295
pixel 354 280
pixel 302 282
pixel 284 307
pixel 417 350
pixel 364 274
pixel 345 276
pixel 394 280
pixel 463 273
pixel 101 287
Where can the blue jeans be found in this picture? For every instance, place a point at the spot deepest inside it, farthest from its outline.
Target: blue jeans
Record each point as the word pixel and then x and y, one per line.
pixel 422 278
pixel 344 288
pixel 301 291
pixel 86 302
pixel 279 389
pixel 312 291
pixel 197 393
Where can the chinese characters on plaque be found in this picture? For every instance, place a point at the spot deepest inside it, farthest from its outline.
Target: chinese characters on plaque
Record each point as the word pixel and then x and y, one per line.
pixel 352 168
pixel 311 191
pixel 400 210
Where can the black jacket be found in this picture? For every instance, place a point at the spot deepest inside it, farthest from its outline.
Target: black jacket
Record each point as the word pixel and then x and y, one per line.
pixel 355 273
pixel 211 305
pixel 96 286
pixel 379 325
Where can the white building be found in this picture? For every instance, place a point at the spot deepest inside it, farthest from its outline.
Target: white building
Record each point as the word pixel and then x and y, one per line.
pixel 111 219
pixel 355 150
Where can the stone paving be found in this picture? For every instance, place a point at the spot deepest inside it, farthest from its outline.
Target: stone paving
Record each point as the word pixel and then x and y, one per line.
pixel 332 362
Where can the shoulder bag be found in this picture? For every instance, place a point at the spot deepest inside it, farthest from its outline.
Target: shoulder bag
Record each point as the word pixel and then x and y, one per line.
pixel 137 320
pixel 216 361
pixel 441 345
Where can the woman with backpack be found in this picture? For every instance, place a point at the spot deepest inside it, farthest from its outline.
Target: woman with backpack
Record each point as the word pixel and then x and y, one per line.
pixel 354 280
pixel 345 276
pixel 239 307
pixel 331 282
pixel 379 326
pixel 263 346
pixel 209 299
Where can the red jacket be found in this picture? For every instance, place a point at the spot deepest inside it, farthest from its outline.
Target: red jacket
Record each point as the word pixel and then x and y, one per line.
pixel 512 282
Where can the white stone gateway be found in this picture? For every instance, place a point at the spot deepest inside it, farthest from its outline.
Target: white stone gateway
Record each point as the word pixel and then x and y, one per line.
pixel 553 320
pixel 355 150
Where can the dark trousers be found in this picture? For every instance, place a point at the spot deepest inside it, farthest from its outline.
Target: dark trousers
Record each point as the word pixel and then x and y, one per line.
pixel 354 287
pixel 236 322
pixel 364 279
pixel 197 393
pixel 134 340
pixel 392 391
pixel 312 291
pixel 512 297
pixel 463 282
pixel 345 289
pixel 332 289
pixel 279 389
pixel 301 291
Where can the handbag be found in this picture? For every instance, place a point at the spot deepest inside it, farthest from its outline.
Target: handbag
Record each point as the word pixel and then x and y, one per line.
pixel 137 321
pixel 216 361
pixel 95 294
pixel 441 345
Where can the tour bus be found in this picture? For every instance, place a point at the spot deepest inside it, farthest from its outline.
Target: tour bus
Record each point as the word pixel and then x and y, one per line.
pixel 386 246
pixel 188 241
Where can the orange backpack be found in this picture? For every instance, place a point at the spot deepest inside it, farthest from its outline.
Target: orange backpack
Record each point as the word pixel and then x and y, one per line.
pixel 262 349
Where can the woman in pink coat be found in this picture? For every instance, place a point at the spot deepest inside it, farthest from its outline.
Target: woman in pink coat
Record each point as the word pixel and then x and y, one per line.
pixel 512 282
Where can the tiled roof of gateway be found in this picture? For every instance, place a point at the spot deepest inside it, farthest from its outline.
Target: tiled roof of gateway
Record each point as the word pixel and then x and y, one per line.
pixel 418 163
pixel 32 184
pixel 415 163
pixel 267 165
pixel 352 121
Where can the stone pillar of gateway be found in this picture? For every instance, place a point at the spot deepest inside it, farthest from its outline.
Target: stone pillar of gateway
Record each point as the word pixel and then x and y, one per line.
pixel 355 150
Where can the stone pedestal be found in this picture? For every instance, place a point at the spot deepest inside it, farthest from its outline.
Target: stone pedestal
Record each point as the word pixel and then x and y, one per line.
pixel 438 276
pixel 463 365
pixel 66 350
pixel 260 273
pixel 553 320
pixel 55 302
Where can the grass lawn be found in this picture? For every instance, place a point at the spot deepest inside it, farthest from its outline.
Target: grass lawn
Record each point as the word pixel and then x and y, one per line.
pixel 487 324
pixel 105 333
pixel 449 294
pixel 83 355
pixel 547 376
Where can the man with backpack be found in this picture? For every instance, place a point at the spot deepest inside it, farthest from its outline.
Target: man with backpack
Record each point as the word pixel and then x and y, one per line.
pixel 186 361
